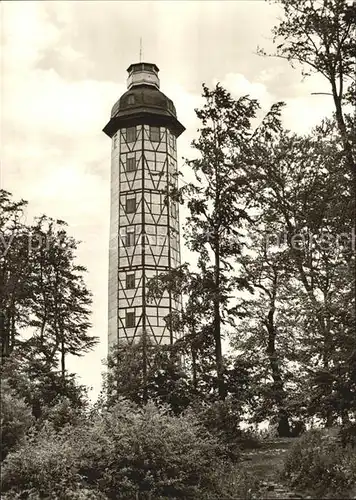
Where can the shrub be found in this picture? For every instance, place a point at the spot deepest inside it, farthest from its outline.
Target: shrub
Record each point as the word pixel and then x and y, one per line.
pixel 125 453
pixel 68 494
pixel 166 380
pixel 318 463
pixel 44 465
pixel 63 413
pixel 42 387
pixel 222 419
pixel 348 435
pixel 16 419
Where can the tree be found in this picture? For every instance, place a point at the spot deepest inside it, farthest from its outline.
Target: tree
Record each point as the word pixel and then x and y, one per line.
pixel 195 343
pixel 14 270
pixel 44 303
pixel 219 210
pixel 40 384
pixel 267 333
pixel 60 299
pixel 294 185
pixel 214 214
pixel 320 35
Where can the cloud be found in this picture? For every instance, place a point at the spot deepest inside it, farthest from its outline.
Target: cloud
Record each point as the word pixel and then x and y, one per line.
pixel 302 111
pixel 54 104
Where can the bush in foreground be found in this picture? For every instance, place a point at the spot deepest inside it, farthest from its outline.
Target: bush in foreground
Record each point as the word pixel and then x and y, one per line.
pixel 125 453
pixel 318 463
pixel 348 435
pixel 222 419
pixel 16 419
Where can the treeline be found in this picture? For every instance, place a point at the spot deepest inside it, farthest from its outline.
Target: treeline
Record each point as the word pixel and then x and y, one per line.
pixel 272 222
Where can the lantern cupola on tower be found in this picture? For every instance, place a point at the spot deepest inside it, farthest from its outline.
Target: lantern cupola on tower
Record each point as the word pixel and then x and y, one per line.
pixel 142 74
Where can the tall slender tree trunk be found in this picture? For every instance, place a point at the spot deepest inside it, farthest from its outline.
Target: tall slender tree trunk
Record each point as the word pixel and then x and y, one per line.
pixel 194 368
pixel 278 386
pixel 217 315
pixel 217 323
pixel 63 366
pixel 4 335
pixel 12 327
pixel 279 396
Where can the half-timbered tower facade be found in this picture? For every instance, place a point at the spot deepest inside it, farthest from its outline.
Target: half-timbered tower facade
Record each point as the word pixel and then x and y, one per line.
pixel 144 224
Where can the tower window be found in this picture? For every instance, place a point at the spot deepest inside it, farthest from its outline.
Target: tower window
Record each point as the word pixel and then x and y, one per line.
pixel 130 236
pixel 130 164
pixel 130 319
pixel 154 134
pixel 130 281
pixel 131 134
pixel 131 99
pixel 130 205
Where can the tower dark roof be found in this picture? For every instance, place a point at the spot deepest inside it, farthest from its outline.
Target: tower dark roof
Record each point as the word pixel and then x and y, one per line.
pixel 143 103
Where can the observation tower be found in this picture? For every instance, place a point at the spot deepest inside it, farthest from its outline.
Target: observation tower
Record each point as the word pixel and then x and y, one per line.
pixel 144 227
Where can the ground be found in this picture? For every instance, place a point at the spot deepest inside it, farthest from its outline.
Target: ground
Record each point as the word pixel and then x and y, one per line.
pixel 265 464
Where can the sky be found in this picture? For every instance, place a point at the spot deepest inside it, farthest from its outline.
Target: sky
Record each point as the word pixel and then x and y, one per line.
pixel 64 66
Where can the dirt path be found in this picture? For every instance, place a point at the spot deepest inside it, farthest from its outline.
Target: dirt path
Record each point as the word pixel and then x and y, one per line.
pixel 266 463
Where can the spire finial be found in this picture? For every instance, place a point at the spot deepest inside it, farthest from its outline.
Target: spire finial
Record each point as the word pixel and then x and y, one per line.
pixel 141 49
